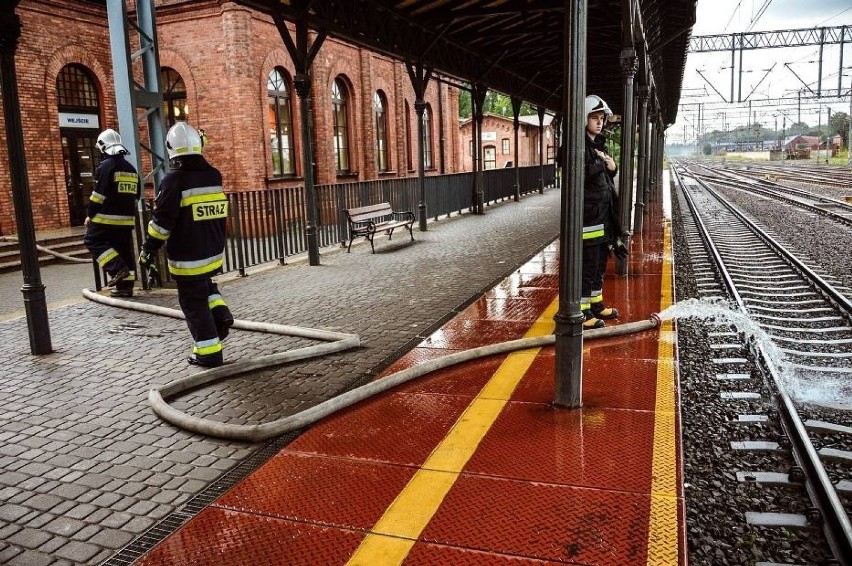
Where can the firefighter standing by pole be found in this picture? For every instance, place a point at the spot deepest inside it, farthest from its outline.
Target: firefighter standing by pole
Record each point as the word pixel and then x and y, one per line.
pixel 602 231
pixel 111 213
pixel 189 216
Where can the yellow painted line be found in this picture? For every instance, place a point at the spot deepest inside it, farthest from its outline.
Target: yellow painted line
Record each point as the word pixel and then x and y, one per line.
pixel 663 539
pixel 395 533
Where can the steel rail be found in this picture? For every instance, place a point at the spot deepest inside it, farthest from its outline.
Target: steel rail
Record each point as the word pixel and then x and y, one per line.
pixel 776 193
pixel 835 521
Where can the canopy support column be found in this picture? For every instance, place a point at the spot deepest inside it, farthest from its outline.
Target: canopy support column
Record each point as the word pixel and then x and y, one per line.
pixel 629 66
pixel 302 52
pixel 569 318
pixel 419 80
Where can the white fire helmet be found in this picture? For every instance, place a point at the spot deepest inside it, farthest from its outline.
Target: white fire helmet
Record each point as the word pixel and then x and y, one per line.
pixel 595 103
pixel 109 142
pixel 183 139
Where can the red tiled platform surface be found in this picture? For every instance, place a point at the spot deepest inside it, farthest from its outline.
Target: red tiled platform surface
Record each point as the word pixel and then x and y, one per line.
pixel 544 485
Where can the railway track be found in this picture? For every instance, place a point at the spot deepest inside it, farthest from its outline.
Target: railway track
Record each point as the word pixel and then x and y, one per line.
pixel 788 328
pixel 743 179
pixel 832 177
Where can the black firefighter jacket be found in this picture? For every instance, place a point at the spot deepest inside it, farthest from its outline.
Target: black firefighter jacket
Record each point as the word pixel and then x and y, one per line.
pixel 601 224
pixel 189 215
pixel 113 200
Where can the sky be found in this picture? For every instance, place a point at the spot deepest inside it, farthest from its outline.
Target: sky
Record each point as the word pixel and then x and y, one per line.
pixel 715 17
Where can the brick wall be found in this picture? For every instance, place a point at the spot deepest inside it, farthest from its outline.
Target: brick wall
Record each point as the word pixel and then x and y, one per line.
pixel 501 128
pixel 53 35
pixel 224 53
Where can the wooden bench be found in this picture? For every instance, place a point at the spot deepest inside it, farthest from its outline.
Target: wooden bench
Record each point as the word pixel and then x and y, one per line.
pixel 367 220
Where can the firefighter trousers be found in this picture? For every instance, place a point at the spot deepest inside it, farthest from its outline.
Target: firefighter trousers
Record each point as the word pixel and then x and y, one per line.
pixel 595 257
pixel 112 248
pixel 207 316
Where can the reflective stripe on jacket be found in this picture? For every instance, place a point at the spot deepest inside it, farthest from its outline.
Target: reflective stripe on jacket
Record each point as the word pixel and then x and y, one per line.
pixel 113 199
pixel 190 215
pixel 600 202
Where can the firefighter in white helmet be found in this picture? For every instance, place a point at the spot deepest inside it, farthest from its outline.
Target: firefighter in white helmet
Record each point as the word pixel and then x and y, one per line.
pixel 189 217
pixel 111 214
pixel 602 230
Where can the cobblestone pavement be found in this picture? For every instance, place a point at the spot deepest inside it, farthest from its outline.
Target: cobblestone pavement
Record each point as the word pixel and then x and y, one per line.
pixel 86 466
pixel 62 284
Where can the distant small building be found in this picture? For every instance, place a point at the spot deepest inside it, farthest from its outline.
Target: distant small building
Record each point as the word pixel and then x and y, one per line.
pixel 836 141
pixel 800 142
pixel 498 141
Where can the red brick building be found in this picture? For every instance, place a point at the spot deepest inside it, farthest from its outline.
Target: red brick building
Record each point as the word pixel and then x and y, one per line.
pixel 225 69
pixel 498 141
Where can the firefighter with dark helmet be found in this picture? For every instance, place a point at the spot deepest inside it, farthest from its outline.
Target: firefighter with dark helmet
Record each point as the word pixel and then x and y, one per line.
pixel 189 217
pixel 111 214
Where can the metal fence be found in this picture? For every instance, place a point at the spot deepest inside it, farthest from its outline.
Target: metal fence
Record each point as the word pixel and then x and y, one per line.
pixel 269 225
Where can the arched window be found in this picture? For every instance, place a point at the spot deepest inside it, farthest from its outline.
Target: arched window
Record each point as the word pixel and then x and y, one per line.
pixel 175 107
pixel 75 89
pixel 281 124
pixel 408 151
pixel 427 138
pixel 340 113
pixel 380 108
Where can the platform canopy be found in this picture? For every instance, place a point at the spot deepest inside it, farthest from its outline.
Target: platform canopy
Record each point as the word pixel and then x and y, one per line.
pixel 514 46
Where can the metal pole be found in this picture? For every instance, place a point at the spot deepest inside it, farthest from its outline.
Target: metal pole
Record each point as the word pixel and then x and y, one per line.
pixel 629 66
pixel 516 111
pixel 641 158
pixel 302 83
pixel 849 131
pixel 541 150
pixel 420 110
pixel 569 319
pixel 33 289
pixel 477 94
pixel 303 55
pixel 419 78
pixel 828 135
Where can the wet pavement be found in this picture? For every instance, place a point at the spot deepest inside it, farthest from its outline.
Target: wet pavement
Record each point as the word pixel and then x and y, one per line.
pixel 62 284
pixel 472 463
pixel 85 465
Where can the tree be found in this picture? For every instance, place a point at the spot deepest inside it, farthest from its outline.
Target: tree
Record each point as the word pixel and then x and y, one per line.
pixel 495 103
pixel 839 124
pixel 798 128
pixel 465 104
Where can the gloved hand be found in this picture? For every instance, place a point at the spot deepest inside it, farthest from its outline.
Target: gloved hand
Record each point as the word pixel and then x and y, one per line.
pixel 619 248
pixel 145 258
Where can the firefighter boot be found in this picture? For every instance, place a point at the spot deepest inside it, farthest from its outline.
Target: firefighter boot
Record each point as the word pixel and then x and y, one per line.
pixel 209 361
pixel 120 275
pixel 604 312
pixel 591 321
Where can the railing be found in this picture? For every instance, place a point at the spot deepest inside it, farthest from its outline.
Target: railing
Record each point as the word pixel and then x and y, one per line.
pixel 269 225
